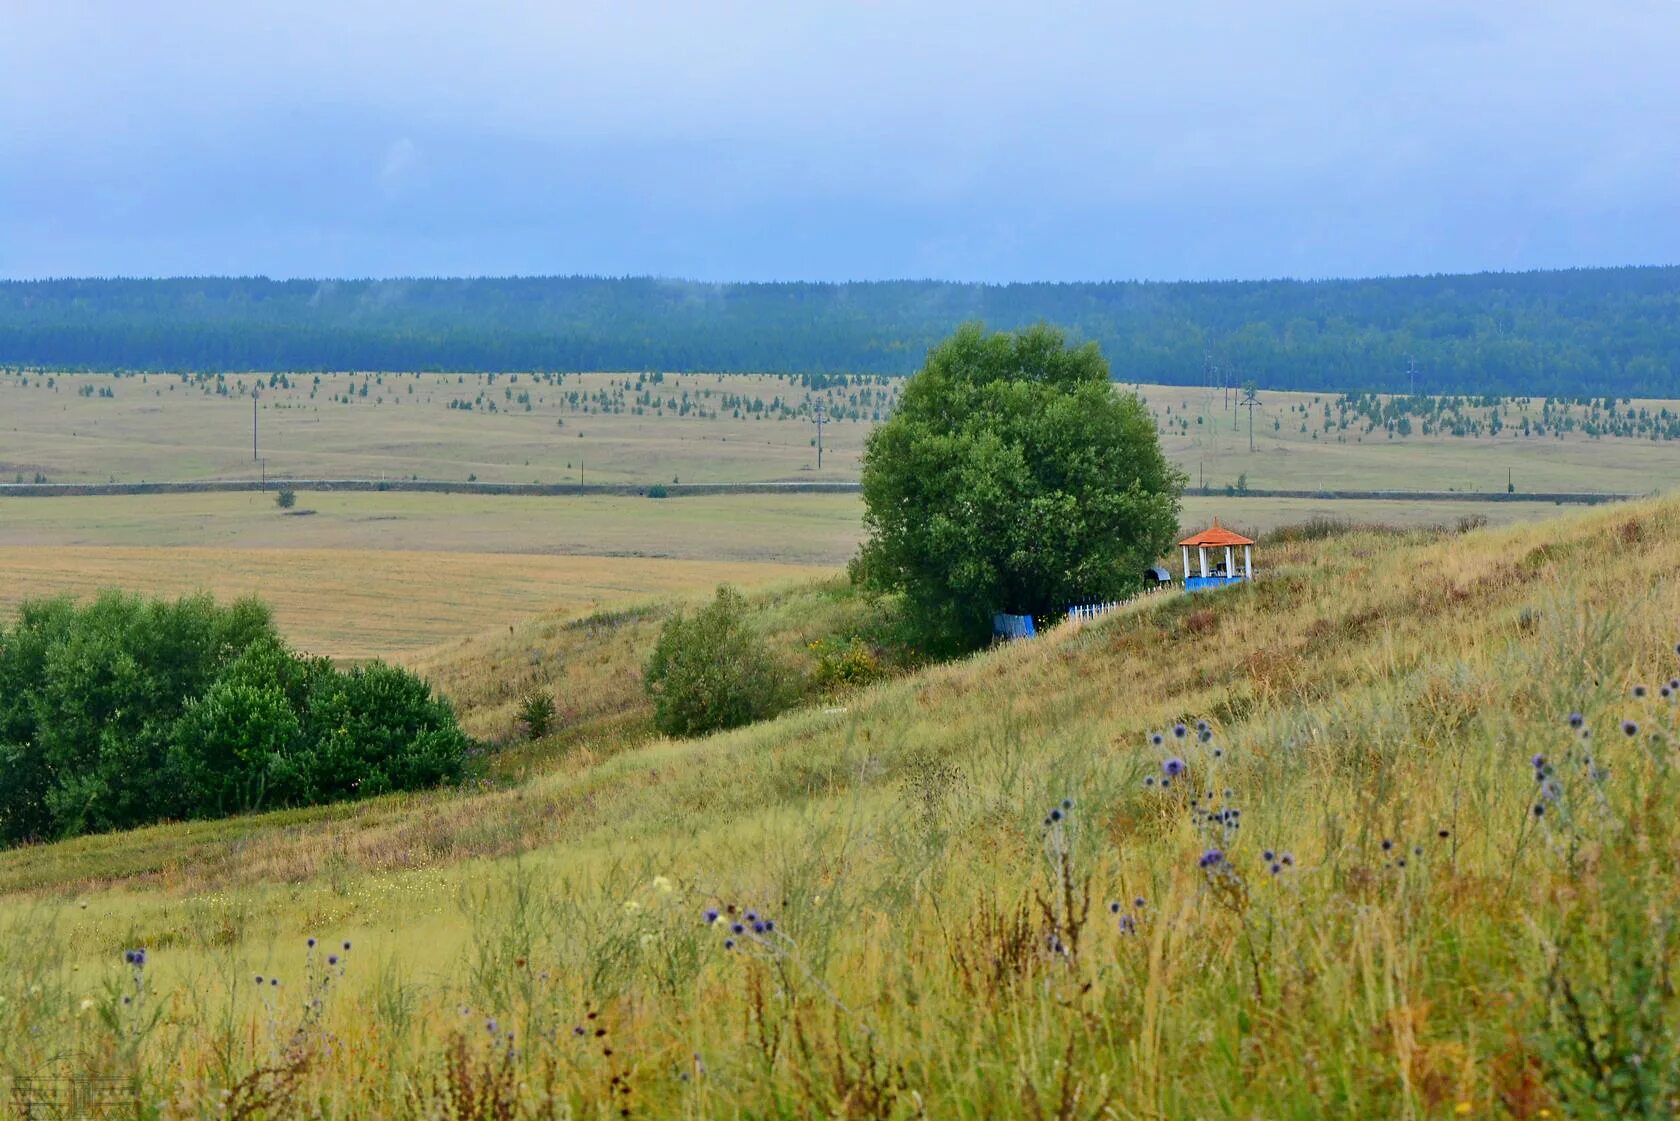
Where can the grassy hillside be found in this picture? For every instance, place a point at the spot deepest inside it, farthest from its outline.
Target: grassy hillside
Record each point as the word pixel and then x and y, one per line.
pixel 941 947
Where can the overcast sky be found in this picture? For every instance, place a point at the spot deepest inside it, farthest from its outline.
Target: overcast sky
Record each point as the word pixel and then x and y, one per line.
pixel 831 141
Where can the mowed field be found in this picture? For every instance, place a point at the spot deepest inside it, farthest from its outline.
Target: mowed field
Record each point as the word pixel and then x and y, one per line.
pixel 362 603
pixel 707 428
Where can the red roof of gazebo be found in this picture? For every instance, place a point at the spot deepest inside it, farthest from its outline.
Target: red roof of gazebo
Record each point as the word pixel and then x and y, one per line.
pixel 1216 535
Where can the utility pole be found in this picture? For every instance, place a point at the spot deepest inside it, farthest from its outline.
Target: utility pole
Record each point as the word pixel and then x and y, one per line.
pixel 820 417
pixel 1250 400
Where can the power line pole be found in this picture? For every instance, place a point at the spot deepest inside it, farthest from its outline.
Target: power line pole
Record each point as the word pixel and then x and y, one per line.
pixel 1250 400
pixel 820 416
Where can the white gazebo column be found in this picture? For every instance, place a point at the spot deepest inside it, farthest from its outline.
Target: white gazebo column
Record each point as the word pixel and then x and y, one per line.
pixel 1248 562
pixel 1186 551
pixel 1230 564
pixel 1201 552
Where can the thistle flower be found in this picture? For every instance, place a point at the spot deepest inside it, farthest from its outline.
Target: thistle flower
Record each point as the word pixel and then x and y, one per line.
pixel 332 959
pixel 1067 803
pixel 1267 856
pixel 1538 761
pixel 1211 857
pixel 1140 903
pixel 1173 767
pixel 1055 815
pixel 1639 691
pixel 1179 731
pixel 1114 907
pixel 729 943
pixel 311 943
pixel 1156 739
pixel 1576 720
pixel 711 915
pixel 1276 868
pixel 1629 728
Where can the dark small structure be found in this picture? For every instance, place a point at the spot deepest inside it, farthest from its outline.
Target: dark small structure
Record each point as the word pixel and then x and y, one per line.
pixel 1156 575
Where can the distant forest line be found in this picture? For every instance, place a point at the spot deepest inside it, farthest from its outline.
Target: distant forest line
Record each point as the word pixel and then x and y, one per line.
pixel 1563 333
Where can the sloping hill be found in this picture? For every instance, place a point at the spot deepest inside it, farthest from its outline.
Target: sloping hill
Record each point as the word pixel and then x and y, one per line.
pixel 941 946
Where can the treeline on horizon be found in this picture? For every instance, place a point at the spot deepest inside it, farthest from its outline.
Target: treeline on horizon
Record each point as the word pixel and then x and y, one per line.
pixel 1569 332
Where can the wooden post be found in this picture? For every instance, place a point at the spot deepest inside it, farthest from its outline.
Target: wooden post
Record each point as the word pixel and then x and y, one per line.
pixel 1201 551
pixel 1186 551
pixel 1248 562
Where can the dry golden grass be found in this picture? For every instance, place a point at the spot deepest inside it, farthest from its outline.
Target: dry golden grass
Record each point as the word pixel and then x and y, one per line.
pixel 362 603
pixel 1372 687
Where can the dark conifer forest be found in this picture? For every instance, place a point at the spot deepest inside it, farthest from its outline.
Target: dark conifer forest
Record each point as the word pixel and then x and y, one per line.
pixel 1612 331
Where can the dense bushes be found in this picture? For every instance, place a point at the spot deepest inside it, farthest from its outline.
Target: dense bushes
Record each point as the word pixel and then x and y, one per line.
pixel 123 712
pixel 710 670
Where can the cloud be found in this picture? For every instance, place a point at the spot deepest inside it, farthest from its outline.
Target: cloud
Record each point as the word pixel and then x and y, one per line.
pixel 741 139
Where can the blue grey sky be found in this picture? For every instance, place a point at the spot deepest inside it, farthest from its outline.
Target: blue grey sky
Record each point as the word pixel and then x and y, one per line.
pixel 834 141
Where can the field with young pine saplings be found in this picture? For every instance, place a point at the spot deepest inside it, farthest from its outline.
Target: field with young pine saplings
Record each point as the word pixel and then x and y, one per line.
pixel 1387 833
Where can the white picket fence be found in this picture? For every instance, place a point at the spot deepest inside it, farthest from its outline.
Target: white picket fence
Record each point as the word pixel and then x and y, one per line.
pixel 1093 610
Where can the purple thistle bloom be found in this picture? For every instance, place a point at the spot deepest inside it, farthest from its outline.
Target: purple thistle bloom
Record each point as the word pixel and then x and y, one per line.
pixel 1539 809
pixel 1639 690
pixel 1267 856
pixel 1204 735
pixel 1276 868
pixel 1140 903
pixel 332 959
pixel 729 943
pixel 1538 761
pixel 1576 720
pixel 758 928
pixel 347 947
pixel 1219 753
pixel 1067 803
pixel 1149 780
pixel 1179 731
pixel 1173 767
pixel 711 915
pixel 259 978
pixel 769 926
pixel 274 982
pixel 1055 815
pixel 311 943
pixel 1629 728
pixel 1114 907
pixel 1211 857
pixel 738 928
pixel 1288 858
pixel 490 1026
pixel 752 916
pixel 1387 844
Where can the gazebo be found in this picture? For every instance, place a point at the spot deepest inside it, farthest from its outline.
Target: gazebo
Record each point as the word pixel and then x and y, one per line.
pixel 1214 537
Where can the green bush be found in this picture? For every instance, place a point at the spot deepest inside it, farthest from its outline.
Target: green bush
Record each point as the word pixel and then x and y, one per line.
pixel 285 498
pixel 710 670
pixel 536 713
pixel 123 712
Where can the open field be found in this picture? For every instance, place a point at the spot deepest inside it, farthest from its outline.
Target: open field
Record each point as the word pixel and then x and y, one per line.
pixel 1374 702
pixel 360 603
pixel 685 427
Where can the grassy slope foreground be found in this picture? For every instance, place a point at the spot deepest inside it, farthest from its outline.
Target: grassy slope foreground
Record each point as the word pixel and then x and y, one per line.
pixel 942 948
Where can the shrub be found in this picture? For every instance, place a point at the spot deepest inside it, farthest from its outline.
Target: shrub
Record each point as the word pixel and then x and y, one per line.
pixel 709 670
pixel 536 713
pixel 844 666
pixel 285 498
pixel 657 490
pixel 123 712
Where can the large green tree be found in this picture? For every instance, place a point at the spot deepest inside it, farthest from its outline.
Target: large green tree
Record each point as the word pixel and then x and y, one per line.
pixel 1016 477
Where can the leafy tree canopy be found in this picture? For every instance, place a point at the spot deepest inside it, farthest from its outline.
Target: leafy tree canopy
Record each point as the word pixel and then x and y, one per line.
pixel 1014 477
